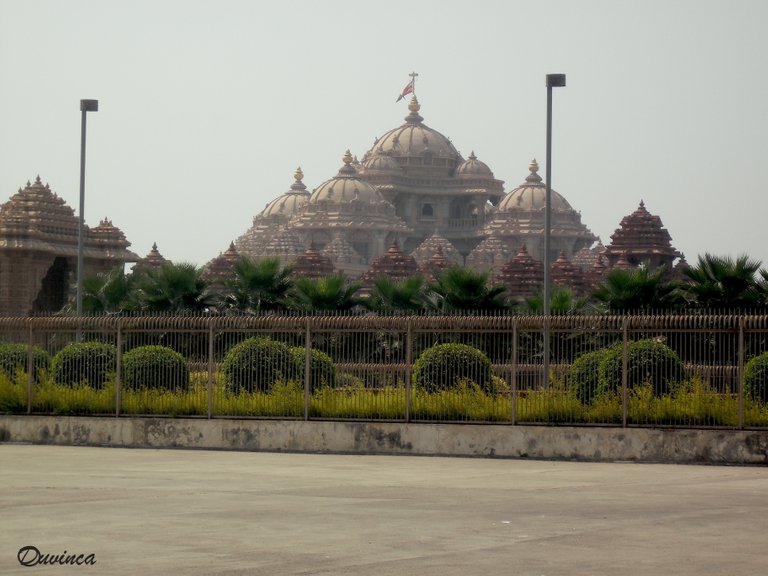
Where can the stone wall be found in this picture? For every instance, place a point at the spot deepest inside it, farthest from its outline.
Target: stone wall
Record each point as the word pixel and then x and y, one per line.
pixel 571 443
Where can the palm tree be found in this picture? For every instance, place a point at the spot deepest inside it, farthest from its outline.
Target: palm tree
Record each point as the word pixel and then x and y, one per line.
pixel 637 289
pixel 463 289
pixel 331 293
pixel 258 285
pixel 722 283
pixel 175 288
pixel 410 294
pixel 562 301
pixel 109 292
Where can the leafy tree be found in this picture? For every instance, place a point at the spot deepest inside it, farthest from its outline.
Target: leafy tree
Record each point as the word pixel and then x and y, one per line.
pixel 410 294
pixel 722 283
pixel 637 289
pixel 258 285
pixel 332 293
pixel 463 289
pixel 174 288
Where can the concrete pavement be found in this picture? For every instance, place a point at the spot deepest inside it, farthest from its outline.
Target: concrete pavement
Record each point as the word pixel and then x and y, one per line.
pixel 194 512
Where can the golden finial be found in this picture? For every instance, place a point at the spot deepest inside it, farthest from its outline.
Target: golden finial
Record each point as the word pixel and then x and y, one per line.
pixel 533 166
pixel 414 105
pixel 299 175
pixel 347 157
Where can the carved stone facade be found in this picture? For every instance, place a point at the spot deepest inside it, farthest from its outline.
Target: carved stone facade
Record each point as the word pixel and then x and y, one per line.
pixel 38 251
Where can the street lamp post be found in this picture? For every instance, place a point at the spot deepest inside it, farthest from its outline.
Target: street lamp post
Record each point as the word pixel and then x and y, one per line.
pixel 553 81
pixel 85 107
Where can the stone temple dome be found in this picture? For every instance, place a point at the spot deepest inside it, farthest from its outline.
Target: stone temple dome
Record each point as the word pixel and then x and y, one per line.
pixel 531 195
pixel 270 221
pixel 345 186
pixel 416 146
pixel 291 202
pixel 472 167
pixel 380 162
pixel 354 208
pixel 519 219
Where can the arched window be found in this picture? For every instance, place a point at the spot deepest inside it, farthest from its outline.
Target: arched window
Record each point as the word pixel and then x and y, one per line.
pixel 427 211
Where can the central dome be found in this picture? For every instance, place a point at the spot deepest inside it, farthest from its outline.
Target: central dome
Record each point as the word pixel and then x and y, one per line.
pixel 414 144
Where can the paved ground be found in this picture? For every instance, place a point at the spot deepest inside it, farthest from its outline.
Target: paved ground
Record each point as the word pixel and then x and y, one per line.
pixel 236 513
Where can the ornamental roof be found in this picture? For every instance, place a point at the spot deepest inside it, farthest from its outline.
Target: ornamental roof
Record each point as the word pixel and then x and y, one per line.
pixel 472 168
pixel 522 274
pixel 312 264
pixel 222 267
pixel 414 139
pixel 36 219
pixel 434 243
pixel 640 237
pixel 394 264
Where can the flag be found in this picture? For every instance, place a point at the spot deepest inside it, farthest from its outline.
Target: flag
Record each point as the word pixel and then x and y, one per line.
pixel 407 90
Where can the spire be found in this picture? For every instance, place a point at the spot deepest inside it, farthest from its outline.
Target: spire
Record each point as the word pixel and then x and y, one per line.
pixel 347 169
pixel 298 186
pixel 533 177
pixel 414 107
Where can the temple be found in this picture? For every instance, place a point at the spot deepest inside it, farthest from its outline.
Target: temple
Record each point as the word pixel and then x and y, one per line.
pixel 412 205
pixel 39 248
pixel 414 198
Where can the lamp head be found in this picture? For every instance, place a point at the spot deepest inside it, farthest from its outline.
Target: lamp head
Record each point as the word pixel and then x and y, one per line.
pixel 89 105
pixel 555 80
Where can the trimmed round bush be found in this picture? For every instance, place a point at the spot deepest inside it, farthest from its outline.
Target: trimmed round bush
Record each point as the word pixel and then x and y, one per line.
pixel 256 364
pixel 13 357
pixel 648 361
pixel 756 378
pixel 583 378
pixel 84 363
pixel 155 368
pixel 322 370
pixel 445 366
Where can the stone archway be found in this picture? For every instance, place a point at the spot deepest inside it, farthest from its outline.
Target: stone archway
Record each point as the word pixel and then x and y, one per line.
pixel 54 287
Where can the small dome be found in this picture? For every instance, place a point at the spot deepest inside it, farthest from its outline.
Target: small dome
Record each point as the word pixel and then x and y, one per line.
pixel 531 195
pixel 472 167
pixel 380 162
pixel 291 202
pixel 345 186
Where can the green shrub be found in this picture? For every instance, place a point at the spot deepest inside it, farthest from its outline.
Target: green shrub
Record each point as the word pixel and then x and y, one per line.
pixel 756 378
pixel 13 357
pixel 322 370
pixel 84 363
pixel 583 377
pixel 155 368
pixel 256 364
pixel 648 362
pixel 445 366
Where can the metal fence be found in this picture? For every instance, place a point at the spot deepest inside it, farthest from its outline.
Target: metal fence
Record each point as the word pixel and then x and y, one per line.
pixel 686 371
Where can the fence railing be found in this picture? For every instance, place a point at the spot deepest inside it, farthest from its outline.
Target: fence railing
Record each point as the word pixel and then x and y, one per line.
pixel 687 371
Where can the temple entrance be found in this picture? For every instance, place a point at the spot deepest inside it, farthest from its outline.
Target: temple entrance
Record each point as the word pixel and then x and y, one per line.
pixel 54 288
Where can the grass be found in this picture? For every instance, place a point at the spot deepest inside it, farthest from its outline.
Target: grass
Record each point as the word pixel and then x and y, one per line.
pixel 691 404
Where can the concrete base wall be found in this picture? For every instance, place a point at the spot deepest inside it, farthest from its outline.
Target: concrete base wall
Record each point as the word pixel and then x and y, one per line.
pixel 561 442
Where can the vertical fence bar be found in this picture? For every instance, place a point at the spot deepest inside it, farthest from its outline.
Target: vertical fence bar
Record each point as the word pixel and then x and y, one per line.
pixel 118 367
pixel 624 375
pixel 30 369
pixel 307 367
pixel 211 365
pixel 513 379
pixel 408 367
pixel 741 373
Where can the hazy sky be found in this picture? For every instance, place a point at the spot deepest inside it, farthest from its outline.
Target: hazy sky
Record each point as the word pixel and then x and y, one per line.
pixel 206 108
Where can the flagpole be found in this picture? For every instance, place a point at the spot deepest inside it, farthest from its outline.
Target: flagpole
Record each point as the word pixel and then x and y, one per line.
pixel 413 81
